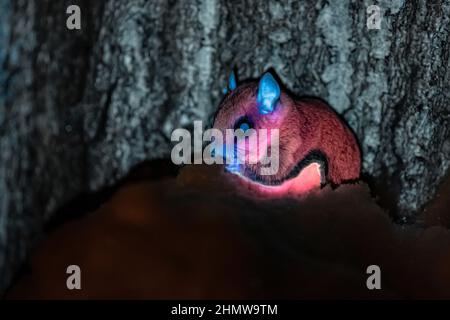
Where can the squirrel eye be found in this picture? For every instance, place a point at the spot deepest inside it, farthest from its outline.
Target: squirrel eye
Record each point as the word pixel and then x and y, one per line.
pixel 244 126
pixel 243 123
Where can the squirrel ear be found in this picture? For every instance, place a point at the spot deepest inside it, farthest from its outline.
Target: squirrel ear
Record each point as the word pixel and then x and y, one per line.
pixel 232 81
pixel 268 94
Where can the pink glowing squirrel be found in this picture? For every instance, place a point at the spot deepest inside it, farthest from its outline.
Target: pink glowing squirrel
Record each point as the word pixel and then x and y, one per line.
pixel 315 146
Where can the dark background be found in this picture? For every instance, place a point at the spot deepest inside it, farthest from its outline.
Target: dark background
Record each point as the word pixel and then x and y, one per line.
pixel 78 109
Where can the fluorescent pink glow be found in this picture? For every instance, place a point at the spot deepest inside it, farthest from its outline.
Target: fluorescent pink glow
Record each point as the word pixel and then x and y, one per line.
pixel 308 179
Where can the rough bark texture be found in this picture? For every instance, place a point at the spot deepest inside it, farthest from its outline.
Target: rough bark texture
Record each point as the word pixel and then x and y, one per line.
pixel 79 108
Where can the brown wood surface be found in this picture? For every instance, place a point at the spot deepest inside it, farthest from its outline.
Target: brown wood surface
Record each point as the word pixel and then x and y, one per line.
pixel 200 235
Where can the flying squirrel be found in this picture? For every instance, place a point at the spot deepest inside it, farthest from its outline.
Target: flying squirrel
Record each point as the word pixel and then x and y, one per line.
pixel 315 146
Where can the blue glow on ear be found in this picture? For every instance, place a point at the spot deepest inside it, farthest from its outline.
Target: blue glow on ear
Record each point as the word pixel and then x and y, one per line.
pixel 268 94
pixel 232 81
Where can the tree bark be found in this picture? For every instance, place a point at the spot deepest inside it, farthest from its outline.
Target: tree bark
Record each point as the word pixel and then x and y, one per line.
pixel 79 108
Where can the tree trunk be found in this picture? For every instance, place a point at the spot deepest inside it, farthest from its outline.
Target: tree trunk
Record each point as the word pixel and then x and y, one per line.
pixel 79 108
